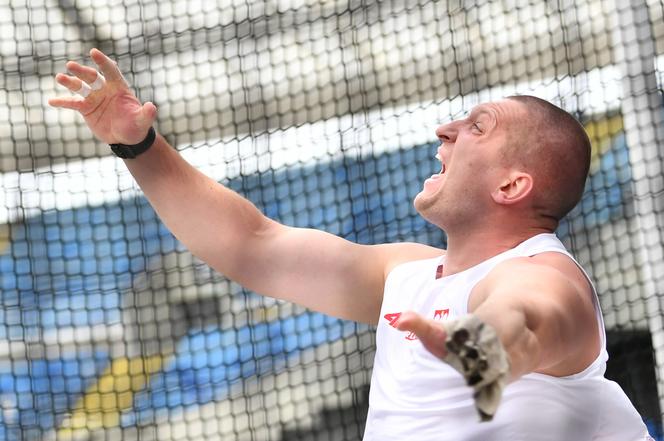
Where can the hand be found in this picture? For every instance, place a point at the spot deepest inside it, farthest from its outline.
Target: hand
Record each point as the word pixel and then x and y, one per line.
pixel 431 333
pixel 112 112
pixel 474 350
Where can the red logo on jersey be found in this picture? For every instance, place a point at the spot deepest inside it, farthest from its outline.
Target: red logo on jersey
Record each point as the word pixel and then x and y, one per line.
pixel 441 314
pixel 393 318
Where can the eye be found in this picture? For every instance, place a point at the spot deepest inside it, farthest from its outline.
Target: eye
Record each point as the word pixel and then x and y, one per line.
pixel 477 127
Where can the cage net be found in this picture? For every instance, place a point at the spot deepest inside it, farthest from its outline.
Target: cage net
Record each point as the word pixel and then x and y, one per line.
pixel 323 114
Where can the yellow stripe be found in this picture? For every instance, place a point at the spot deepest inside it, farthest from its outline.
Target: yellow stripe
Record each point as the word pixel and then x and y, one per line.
pixel 4 238
pixel 102 404
pixel 601 133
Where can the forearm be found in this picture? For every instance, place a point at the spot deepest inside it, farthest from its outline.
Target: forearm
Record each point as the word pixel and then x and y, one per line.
pixel 213 222
pixel 510 323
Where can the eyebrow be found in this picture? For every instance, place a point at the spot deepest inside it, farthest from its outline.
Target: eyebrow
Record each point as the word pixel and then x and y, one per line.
pixel 477 111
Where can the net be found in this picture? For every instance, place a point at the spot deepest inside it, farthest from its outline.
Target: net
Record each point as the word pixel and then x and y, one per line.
pixel 322 113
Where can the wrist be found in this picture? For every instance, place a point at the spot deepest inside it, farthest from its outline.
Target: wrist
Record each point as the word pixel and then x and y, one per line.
pixel 125 151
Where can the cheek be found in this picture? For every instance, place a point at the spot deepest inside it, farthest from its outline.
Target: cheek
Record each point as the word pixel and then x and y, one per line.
pixel 468 170
pixel 471 178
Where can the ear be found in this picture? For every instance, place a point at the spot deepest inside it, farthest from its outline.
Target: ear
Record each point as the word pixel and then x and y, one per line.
pixel 515 188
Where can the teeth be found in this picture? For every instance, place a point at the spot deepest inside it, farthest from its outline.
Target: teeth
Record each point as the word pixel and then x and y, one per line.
pixel 441 160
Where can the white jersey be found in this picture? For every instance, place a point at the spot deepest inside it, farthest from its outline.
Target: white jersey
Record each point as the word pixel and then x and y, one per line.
pixel 415 396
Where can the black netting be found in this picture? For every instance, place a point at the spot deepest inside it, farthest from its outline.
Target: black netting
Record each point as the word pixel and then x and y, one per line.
pixel 323 114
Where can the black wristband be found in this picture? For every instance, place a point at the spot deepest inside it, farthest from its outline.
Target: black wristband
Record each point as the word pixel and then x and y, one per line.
pixel 131 151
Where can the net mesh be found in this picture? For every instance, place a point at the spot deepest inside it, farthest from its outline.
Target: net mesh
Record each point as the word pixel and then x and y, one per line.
pixel 322 113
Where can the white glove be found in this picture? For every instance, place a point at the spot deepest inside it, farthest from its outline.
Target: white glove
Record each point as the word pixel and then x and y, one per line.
pixel 474 349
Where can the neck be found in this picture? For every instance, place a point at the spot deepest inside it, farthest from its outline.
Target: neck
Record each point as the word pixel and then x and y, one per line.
pixel 467 249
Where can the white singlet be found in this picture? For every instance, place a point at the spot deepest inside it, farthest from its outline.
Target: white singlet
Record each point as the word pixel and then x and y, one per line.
pixel 415 396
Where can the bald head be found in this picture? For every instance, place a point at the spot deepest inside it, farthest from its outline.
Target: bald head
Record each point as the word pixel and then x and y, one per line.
pixel 554 148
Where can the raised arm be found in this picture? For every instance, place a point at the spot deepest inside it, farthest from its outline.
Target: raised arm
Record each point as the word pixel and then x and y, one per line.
pixel 312 268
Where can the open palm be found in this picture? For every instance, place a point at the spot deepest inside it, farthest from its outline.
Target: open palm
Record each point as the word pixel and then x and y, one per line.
pixel 111 110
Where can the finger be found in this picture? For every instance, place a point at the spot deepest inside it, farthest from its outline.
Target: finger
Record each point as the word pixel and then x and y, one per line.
pixel 73 84
pixel 67 103
pixel 432 334
pixel 85 73
pixel 107 66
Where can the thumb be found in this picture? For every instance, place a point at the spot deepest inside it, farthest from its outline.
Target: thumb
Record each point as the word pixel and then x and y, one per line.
pixel 432 334
pixel 148 113
pixel 133 130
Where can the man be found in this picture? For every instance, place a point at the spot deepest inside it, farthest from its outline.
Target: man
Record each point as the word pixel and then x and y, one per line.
pixel 505 303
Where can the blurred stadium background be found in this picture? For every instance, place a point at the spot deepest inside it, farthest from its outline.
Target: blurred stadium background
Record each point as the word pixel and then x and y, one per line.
pixel 322 112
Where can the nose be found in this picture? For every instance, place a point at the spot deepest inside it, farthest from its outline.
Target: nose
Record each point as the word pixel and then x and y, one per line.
pixel 448 132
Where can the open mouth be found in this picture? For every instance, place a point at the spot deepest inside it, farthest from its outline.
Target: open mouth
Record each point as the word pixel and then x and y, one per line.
pixel 442 168
pixel 437 177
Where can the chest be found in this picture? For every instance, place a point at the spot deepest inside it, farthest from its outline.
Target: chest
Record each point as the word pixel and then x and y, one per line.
pixel 405 373
pixel 439 299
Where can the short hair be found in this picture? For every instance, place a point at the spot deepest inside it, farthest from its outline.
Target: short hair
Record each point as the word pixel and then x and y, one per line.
pixel 555 149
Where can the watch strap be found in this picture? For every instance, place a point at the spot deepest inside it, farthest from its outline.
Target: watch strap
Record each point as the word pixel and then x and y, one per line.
pixel 125 151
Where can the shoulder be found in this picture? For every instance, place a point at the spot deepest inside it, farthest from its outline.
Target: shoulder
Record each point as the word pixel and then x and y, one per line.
pixel 551 272
pixel 396 254
pixel 557 302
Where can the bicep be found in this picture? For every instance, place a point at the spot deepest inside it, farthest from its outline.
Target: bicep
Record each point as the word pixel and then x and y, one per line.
pixel 321 271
